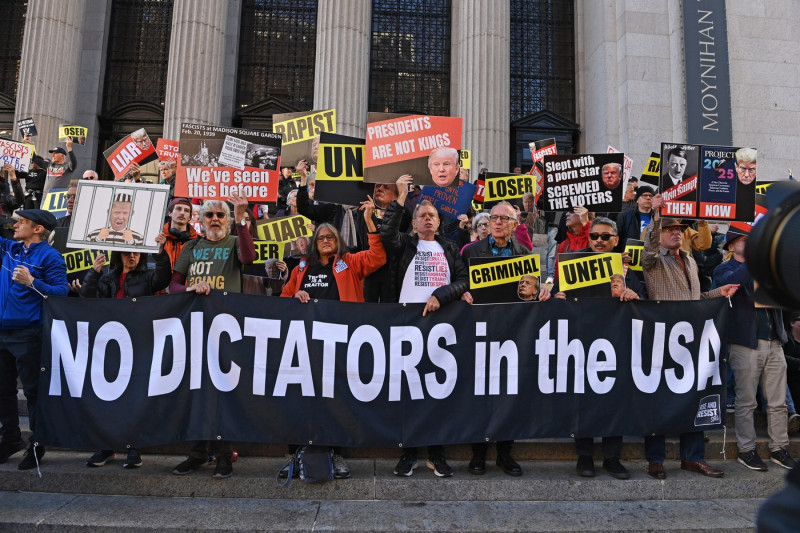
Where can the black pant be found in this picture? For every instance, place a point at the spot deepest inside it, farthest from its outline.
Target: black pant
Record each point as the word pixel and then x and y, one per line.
pixel 20 355
pixel 612 447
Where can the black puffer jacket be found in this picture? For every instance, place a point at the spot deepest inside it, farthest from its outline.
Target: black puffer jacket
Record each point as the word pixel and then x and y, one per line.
pixel 401 249
pixel 139 282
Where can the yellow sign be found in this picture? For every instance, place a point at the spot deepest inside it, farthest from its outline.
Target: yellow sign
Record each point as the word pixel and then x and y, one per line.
pixel 508 187
pixel 464 159
pixel 81 260
pixel 635 249
pixel 651 169
pixel 55 202
pixel 585 271
pixel 268 250
pixel 306 127
pixel 761 188
pixel 75 132
pixel 502 272
pixel 340 162
pixel 284 229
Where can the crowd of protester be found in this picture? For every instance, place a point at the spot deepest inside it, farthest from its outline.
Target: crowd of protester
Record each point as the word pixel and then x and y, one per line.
pixel 370 253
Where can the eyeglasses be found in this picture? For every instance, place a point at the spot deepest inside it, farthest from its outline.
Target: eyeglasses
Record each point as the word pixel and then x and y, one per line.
pixel 328 237
pixel 210 214
pixel 495 218
pixel 483 224
pixel 604 236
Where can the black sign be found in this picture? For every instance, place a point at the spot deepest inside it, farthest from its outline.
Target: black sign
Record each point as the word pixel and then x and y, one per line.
pixel 243 368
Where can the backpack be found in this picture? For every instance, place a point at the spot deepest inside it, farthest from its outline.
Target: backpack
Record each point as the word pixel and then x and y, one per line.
pixel 315 464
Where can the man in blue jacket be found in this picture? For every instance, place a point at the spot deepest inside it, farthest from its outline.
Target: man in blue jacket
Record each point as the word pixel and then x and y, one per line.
pixel 756 336
pixel 31 270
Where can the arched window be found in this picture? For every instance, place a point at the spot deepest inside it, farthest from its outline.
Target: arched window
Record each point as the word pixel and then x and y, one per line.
pixel 277 49
pixel 410 57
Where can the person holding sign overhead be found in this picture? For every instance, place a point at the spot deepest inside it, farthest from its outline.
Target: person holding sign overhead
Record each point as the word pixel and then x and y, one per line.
pixel 671 274
pixel 425 268
pixel 59 171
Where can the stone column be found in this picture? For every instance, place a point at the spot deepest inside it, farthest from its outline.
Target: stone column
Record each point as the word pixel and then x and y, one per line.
pixel 341 76
pixel 50 64
pixel 480 85
pixel 196 66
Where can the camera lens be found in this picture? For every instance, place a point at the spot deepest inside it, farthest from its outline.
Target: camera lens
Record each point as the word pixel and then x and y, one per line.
pixel 772 252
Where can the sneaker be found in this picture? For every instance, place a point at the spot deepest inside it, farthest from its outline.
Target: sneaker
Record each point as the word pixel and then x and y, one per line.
pixel 32 460
pixel 782 458
pixel 100 458
pixel 9 448
pixel 133 460
pixel 615 468
pixel 189 465
pixel 439 466
pixel 793 425
pixel 585 466
pixel 284 473
pixel 752 461
pixel 340 470
pixel 224 467
pixel 406 465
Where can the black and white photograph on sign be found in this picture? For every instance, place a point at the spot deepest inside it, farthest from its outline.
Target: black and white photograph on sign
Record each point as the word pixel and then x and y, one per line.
pixel 528 288
pixel 593 181
pixel 679 184
pixel 201 152
pixel 233 152
pixel 118 216
pixel 262 156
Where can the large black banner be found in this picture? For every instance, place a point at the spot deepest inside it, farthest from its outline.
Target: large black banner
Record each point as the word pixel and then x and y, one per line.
pixel 163 369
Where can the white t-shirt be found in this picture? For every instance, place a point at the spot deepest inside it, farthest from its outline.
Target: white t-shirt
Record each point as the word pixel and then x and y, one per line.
pixel 426 272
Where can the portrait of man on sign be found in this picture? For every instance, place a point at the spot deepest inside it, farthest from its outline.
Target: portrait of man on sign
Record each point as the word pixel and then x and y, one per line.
pixel 117 230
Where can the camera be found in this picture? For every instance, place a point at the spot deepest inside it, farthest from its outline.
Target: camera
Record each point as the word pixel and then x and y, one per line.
pixel 773 248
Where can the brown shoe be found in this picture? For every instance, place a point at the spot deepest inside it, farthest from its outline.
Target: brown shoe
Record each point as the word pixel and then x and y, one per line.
pixel 701 467
pixel 656 470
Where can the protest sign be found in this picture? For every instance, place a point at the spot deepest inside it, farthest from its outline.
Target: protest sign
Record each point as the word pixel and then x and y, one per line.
pixel 588 274
pixel 76 133
pixel 480 187
pixel 201 174
pixel 508 187
pixel 133 148
pixel 497 279
pixel 759 212
pixel 541 148
pixel 78 262
pixel 400 144
pixel 118 216
pixel 340 170
pixel 55 202
pixel 465 159
pixel 651 174
pixel 678 185
pixel 16 154
pixel 593 181
pixel 168 150
pixel 27 127
pixel 374 375
pixel 762 186
pixel 635 249
pixel 450 201
pixel 267 250
pixel 727 188
pixel 627 165
pixel 301 133
pixel 283 229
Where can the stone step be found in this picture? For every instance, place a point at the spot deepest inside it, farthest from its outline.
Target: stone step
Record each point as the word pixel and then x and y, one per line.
pixel 372 479
pixel 68 513
pixel 721 445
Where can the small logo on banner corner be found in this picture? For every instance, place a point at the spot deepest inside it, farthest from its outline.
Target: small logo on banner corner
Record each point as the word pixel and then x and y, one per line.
pixel 708 412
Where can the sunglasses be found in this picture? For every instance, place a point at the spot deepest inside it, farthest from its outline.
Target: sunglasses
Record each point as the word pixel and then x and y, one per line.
pixel 210 214
pixel 604 236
